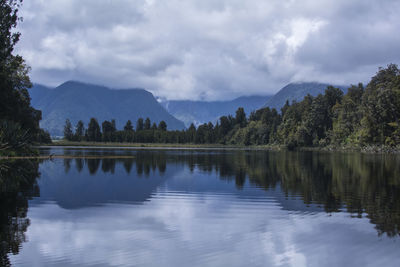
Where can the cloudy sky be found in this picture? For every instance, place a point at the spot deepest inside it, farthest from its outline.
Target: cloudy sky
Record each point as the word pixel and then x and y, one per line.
pixel 208 49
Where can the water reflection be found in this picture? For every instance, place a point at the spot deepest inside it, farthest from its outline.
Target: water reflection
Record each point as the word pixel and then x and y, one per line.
pixel 358 183
pixel 193 205
pixel 17 185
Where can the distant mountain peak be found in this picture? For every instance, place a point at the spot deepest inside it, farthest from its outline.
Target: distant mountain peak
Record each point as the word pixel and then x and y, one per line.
pixel 199 112
pixel 76 100
pixel 296 91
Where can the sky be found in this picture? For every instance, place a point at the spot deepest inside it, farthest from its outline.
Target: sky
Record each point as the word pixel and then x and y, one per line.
pixel 208 49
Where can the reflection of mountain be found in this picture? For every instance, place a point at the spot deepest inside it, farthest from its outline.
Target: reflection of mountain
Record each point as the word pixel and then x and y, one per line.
pixel 97 181
pixel 297 181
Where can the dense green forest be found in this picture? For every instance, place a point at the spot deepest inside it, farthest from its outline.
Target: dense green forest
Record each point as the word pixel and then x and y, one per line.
pixel 365 115
pixel 19 121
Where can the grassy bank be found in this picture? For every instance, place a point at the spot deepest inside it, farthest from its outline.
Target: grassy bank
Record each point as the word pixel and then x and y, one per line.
pixel 63 143
pixel 274 147
pixel 158 145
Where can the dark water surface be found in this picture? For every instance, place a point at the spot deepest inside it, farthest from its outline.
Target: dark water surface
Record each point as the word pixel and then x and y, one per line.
pixel 119 207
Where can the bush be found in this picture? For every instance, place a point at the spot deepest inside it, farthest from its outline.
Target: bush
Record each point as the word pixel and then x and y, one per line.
pixel 13 136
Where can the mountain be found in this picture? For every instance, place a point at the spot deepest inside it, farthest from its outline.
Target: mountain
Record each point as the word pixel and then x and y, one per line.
pixel 199 112
pixel 297 91
pixel 80 101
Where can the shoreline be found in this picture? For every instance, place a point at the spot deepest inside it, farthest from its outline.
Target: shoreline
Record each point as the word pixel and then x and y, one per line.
pixel 369 149
pixel 372 150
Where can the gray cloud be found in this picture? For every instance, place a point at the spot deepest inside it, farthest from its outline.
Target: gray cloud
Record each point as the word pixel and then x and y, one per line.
pixel 208 49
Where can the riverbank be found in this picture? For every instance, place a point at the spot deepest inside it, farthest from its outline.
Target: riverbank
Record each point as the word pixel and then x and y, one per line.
pixel 110 145
pixel 371 149
pixel 63 143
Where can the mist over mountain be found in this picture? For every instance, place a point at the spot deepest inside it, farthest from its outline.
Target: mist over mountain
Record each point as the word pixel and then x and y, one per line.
pixel 80 101
pixel 199 112
pixel 296 92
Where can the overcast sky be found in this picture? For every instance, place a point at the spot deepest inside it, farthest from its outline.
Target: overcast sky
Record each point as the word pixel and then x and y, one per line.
pixel 208 49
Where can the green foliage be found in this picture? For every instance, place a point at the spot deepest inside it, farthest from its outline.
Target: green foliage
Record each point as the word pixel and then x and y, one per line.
pixel 360 117
pixel 139 124
pixel 381 108
pixel 43 137
pixel 93 131
pixel 128 126
pixel 15 107
pixel 347 116
pixel 13 136
pixel 79 131
pixel 240 118
pixel 147 124
pixel 162 126
pixel 108 131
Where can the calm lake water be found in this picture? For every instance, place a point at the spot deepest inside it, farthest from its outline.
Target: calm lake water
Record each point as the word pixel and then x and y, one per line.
pixel 118 207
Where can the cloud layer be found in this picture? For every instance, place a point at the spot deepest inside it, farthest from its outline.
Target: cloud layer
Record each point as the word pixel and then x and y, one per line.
pixel 210 49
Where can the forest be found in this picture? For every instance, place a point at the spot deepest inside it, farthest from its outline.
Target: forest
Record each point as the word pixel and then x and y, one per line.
pixel 364 115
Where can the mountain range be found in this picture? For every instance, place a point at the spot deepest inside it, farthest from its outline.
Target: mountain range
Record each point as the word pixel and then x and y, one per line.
pixel 296 92
pixel 199 112
pixel 79 101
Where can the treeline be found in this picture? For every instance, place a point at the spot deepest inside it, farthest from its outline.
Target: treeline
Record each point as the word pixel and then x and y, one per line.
pixel 19 121
pixel 146 132
pixel 362 116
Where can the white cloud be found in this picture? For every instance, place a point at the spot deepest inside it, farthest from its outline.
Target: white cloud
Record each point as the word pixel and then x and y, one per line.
pixel 208 49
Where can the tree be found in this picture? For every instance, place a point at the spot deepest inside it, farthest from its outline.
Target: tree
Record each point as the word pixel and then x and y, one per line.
pixel 381 108
pixel 191 133
pixel 128 126
pixel 15 107
pixel 108 131
pixel 93 131
pixel 68 134
pixel 147 124
pixel 139 125
pixel 128 133
pixel 162 126
pixel 348 115
pixel 241 117
pixel 79 131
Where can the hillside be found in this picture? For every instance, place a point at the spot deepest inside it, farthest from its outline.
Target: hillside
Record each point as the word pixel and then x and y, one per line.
pixel 200 112
pixel 296 91
pixel 80 101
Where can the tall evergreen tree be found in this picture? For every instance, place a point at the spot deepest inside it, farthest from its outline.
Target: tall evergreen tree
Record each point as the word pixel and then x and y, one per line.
pixel 128 126
pixel 108 131
pixel 240 118
pixel 93 131
pixel 139 124
pixel 147 124
pixel 162 126
pixel 79 131
pixel 68 134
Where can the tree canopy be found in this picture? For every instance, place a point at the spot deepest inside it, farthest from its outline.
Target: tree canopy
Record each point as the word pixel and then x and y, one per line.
pixel 18 118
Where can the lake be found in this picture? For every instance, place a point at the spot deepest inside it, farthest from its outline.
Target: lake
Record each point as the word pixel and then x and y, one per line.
pixel 173 207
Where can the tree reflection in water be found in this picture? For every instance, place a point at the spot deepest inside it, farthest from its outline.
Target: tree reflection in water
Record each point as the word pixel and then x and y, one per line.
pixel 17 185
pixel 361 184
